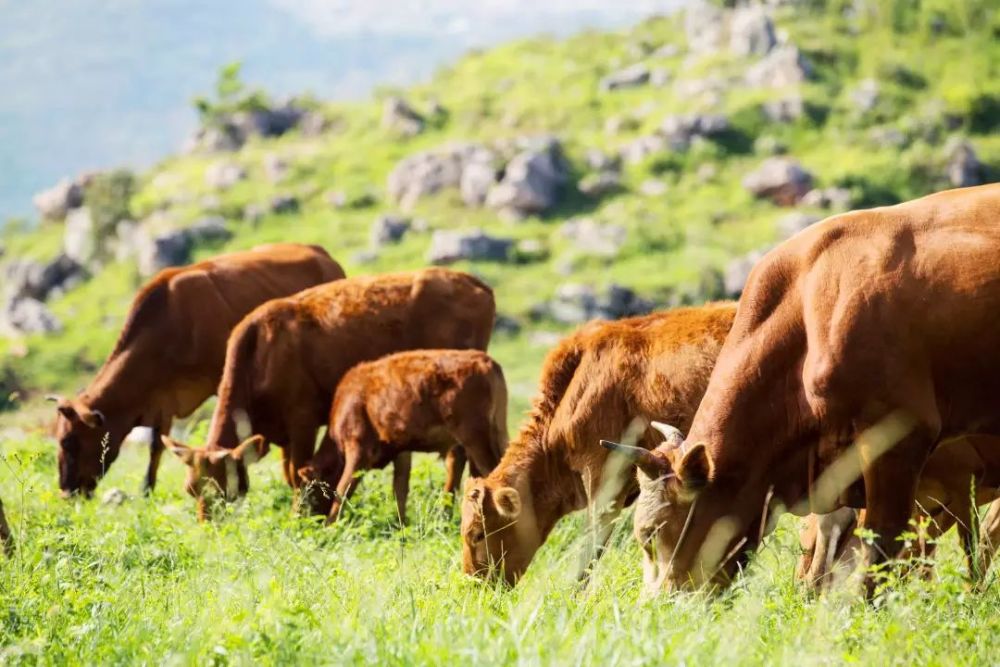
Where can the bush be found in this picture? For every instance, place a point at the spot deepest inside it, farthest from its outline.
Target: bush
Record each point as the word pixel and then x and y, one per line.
pixel 109 196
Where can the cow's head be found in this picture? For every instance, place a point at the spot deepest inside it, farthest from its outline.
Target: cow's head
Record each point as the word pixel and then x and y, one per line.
pixel 499 532
pixel 217 474
pixel 87 445
pixel 691 532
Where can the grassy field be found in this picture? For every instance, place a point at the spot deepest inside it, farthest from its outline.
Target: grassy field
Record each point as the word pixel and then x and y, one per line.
pixel 143 582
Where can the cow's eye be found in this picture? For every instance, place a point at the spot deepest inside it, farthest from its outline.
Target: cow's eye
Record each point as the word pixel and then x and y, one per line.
pixel 476 537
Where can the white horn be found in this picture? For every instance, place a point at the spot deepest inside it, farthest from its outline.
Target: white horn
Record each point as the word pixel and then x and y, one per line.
pixel 671 435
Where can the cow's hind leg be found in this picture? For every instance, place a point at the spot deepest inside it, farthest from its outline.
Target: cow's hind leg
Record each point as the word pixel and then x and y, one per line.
pixel 454 465
pixel 401 483
pixel 347 484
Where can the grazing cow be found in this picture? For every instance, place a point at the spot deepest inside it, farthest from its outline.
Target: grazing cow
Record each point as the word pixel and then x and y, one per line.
pixel 6 537
pixel 607 378
pixel 859 344
pixel 169 355
pixel 944 498
pixel 285 359
pixel 452 402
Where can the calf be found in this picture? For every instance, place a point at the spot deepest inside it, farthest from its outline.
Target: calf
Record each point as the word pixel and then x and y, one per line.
pixel 451 402
pixel 859 344
pixel 599 381
pixel 285 359
pixel 169 355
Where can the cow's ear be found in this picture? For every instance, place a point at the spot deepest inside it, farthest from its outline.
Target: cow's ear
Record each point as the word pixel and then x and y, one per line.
pixel 508 502
pixel 92 418
pixel 696 468
pixel 251 450
pixel 66 409
pixel 179 449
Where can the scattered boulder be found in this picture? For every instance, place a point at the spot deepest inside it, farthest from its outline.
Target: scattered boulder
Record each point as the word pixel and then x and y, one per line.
pixel 734 278
pixel 751 32
pixel 785 110
pixel 209 230
pixel 659 77
pixel 114 496
pixel 156 252
pixel 399 117
pixel 781 179
pixel 598 160
pixel 449 246
pixel 429 172
pixel 531 250
pixel 282 204
pixel 964 168
pixel 24 278
pixel 388 229
pixel 57 201
pixel 641 148
pixel 601 184
pixel 653 187
pixel 80 240
pixel 782 67
pixel 632 76
pixel 224 175
pixel 594 238
pixel 888 137
pixel 505 324
pixel 276 168
pixel 477 179
pixel 231 131
pixel 865 96
pixel 681 129
pixel 666 51
pixel 27 316
pixel 838 199
pixel 793 223
pixel 532 180
pixel 575 303
pixel 339 199
pixel 704 27
pixel 253 213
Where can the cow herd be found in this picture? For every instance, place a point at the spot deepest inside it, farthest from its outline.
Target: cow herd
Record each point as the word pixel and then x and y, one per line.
pixel 856 382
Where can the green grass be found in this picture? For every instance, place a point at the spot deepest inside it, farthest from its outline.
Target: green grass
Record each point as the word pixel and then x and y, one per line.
pixel 145 583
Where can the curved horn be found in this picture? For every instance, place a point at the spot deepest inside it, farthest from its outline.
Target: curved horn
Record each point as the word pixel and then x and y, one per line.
pixel 651 464
pixel 671 435
pixel 55 398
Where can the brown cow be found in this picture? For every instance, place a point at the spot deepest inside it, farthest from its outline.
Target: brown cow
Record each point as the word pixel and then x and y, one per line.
pixel 6 537
pixel 944 499
pixel 286 358
pixel 452 402
pixel 877 328
pixel 599 381
pixel 169 355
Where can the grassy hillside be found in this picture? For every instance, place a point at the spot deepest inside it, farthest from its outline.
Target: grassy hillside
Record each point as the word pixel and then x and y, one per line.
pixel 142 582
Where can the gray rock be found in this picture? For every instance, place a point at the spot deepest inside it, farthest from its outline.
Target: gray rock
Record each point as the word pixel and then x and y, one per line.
pixel 659 77
pixel 600 184
pixel 632 76
pixel 793 223
pixel 276 168
pixel 429 172
pixel 598 160
pixel 388 229
pixel 838 199
pixel 159 251
pixel 706 172
pixel 575 303
pixel 681 129
pixel 80 240
pixel 751 32
pixel 114 497
pixel 737 272
pixel 704 26
pixel 785 110
pixel 57 201
pixel 504 324
pixel 282 204
pixel 399 117
pixel 594 238
pixel 477 179
pixel 653 187
pixel 27 316
pixel 641 148
pixel 888 137
pixel 449 246
pixel 209 230
pixel 38 280
pixel 964 168
pixel 531 250
pixel 254 213
pixel 314 123
pixel 780 179
pixel 666 51
pixel 230 132
pixel 224 175
pixel 365 257
pixel 865 96
pixel 532 180
pixel 783 66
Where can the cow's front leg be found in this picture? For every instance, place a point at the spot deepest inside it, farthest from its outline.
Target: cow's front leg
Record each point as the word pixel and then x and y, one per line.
pixel 156 448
